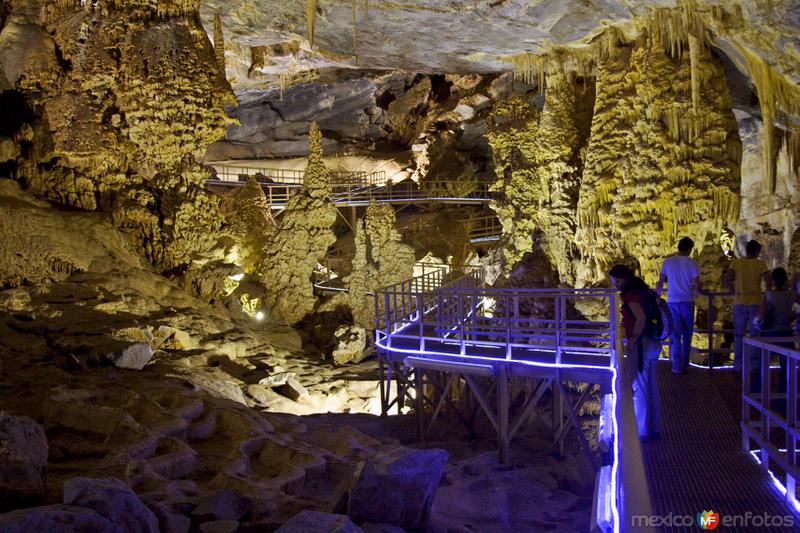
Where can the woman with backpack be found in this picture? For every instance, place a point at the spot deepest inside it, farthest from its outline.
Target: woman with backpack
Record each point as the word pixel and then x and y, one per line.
pixel 641 350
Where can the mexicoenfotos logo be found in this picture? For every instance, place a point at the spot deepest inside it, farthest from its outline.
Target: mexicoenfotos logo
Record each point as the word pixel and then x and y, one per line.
pixel 708 520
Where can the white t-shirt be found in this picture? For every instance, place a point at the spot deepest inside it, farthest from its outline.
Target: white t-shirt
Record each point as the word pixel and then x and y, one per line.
pixel 680 270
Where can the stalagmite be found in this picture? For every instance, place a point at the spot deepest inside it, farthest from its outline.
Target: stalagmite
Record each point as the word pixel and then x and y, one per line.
pixel 694 59
pixel 301 240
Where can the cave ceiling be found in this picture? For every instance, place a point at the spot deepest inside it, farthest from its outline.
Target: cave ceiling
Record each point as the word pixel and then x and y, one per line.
pixel 469 36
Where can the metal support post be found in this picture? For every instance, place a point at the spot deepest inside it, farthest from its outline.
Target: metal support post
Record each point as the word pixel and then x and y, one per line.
pixel 558 412
pixel 502 413
pixel 418 403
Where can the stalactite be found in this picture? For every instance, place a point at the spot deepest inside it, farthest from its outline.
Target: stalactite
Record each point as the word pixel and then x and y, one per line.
pixel 695 66
pixel 219 42
pixel 529 68
pixel 775 93
pixel 792 143
pixel 311 17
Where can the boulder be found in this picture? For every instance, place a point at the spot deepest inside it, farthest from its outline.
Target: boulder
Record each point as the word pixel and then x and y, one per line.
pixel 169 520
pixel 112 499
pixel 351 342
pixel 398 488
pixel 293 390
pixel 225 505
pixel 134 357
pixel 23 460
pixel 278 379
pixel 316 522
pixel 369 527
pixel 56 518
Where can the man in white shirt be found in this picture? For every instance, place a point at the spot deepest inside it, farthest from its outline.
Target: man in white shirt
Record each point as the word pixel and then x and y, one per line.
pixel 682 276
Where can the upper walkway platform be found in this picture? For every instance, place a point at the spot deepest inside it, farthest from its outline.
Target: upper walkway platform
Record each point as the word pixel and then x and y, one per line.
pixel 444 327
pixel 353 189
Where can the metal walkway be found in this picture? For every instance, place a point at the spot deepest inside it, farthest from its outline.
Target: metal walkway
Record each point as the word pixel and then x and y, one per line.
pixel 440 332
pixel 356 189
pixel 698 464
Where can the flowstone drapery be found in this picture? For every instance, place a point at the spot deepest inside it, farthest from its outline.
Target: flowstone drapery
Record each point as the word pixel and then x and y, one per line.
pixel 123 97
pixel 539 167
pixel 300 241
pixel 660 165
pixel 661 158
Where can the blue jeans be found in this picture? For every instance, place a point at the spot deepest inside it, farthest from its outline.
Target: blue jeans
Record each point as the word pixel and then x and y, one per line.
pixel 683 328
pixel 743 316
pixel 646 399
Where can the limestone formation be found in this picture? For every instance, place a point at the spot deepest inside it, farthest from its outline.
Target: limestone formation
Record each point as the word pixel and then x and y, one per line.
pixel 673 172
pixel 251 224
pixel 121 97
pixel 380 259
pixel 540 171
pixel 300 241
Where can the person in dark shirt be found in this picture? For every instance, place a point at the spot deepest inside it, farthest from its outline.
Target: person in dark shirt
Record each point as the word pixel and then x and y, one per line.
pixel 641 351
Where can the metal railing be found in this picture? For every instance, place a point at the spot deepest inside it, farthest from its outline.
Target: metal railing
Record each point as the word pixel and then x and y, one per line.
pixel 715 332
pixel 407 193
pixel 769 410
pixel 429 317
pixel 355 194
pixel 294 177
pixel 486 320
pixel 485 228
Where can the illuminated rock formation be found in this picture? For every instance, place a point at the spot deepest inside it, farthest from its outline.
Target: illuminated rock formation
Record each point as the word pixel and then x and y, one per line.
pixel 381 259
pixel 300 241
pixel 674 170
pixel 540 167
pixel 252 225
pixel 122 96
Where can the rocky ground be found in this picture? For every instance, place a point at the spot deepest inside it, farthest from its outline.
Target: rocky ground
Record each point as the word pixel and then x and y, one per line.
pixel 209 435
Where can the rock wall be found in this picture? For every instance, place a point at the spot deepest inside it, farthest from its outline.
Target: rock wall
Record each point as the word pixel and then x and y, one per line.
pixel 120 98
pixel 274 123
pixel 661 160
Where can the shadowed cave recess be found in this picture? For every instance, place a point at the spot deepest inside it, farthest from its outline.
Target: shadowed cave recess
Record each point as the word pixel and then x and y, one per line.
pixel 200 200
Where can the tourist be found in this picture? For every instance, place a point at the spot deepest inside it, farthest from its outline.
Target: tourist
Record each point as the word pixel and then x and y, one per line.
pixel 642 352
pixel 682 276
pixel 743 278
pixel 775 320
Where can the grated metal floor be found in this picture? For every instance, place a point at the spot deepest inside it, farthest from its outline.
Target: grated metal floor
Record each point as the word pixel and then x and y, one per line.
pixel 698 464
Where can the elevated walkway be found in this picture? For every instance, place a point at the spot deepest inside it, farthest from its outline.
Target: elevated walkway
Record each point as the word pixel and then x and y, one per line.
pixel 446 331
pixel 352 189
pixel 699 464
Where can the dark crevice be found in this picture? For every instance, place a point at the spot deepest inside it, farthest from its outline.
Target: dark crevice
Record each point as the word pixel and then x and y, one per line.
pixel 16 112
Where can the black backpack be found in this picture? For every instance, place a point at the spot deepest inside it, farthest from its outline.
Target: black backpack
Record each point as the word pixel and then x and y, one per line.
pixel 658 316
